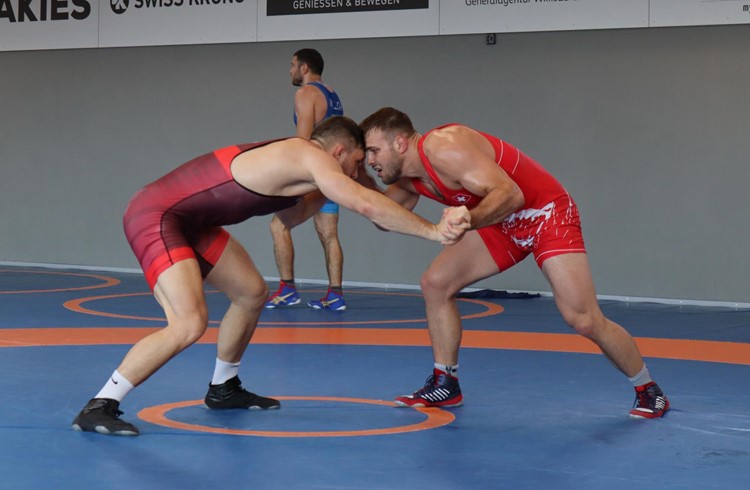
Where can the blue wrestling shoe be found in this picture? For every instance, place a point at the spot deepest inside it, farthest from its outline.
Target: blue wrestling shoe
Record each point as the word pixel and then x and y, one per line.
pixel 287 295
pixel 333 301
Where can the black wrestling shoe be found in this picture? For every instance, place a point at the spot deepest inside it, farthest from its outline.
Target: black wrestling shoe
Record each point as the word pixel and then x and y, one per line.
pixel 650 402
pixel 440 390
pixel 102 415
pixel 231 394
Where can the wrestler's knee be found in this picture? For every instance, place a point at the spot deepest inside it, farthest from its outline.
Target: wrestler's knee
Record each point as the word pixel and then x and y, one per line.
pixel 587 324
pixel 328 238
pixel 256 298
pixel 278 228
pixel 252 298
pixel 327 229
pixel 435 284
pixel 190 327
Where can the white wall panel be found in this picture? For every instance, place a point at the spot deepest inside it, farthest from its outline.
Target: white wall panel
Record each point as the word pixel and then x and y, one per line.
pixel 666 13
pixel 472 16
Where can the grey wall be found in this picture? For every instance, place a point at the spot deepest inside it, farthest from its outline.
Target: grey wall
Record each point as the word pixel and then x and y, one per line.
pixel 647 128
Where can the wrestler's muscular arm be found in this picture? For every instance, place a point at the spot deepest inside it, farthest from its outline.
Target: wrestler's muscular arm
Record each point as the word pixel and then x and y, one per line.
pixel 303 210
pixel 296 167
pixel 463 158
pixel 381 210
pixel 403 193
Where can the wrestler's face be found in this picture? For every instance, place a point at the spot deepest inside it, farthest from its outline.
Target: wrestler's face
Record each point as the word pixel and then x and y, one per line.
pixel 296 72
pixel 383 157
pixel 351 160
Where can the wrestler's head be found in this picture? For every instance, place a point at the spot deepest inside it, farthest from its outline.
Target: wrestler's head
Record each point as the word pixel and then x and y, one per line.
pixel 344 139
pixel 305 60
pixel 387 133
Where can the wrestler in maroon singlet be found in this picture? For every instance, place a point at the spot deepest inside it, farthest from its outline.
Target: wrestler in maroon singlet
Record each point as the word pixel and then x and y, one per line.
pixel 180 215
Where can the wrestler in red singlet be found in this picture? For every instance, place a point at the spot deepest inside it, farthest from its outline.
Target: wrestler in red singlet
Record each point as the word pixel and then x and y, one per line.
pixel 548 224
pixel 180 215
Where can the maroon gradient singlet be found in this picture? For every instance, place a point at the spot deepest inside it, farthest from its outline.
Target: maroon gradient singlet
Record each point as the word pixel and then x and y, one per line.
pixel 181 215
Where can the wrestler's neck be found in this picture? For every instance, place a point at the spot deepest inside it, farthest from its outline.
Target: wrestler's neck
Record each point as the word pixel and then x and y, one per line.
pixel 311 77
pixel 412 166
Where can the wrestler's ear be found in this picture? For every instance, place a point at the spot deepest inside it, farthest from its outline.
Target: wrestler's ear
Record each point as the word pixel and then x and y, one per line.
pixel 400 143
pixel 338 150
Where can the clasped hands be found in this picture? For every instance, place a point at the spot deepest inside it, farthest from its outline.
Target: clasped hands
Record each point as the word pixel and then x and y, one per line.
pixel 453 224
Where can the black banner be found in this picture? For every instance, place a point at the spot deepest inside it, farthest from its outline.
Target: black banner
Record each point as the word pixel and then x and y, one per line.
pixel 294 7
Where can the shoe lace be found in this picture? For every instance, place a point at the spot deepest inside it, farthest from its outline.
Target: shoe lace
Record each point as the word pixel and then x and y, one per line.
pixel 107 407
pixel 428 385
pixel 650 399
pixel 642 399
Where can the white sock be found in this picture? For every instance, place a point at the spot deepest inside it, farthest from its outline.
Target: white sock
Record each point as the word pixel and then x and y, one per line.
pixel 448 369
pixel 642 377
pixel 224 371
pixel 116 387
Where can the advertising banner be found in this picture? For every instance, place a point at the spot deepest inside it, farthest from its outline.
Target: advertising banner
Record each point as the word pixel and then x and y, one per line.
pixel 164 22
pixel 282 20
pixel 477 16
pixel 63 24
pixel 48 24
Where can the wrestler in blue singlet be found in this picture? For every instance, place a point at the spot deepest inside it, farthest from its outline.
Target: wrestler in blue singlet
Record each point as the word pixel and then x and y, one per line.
pixel 333 108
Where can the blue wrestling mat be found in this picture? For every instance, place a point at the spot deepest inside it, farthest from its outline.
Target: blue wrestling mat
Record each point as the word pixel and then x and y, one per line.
pixel 541 411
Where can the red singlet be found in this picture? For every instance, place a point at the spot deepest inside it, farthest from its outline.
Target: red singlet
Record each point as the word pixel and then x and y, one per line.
pixel 548 224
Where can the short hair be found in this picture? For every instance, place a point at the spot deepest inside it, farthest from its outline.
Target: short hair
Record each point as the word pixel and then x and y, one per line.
pixel 312 59
pixel 390 121
pixel 339 129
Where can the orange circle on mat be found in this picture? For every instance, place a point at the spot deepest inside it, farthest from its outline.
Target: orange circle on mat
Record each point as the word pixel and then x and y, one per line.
pixel 435 418
pixel 108 281
pixel 76 305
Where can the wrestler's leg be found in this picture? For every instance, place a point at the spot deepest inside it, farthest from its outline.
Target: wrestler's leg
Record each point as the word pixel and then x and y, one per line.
pixel 179 290
pixel 569 276
pixel 454 268
pixel 283 248
pixel 236 276
pixel 326 225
